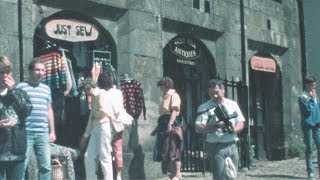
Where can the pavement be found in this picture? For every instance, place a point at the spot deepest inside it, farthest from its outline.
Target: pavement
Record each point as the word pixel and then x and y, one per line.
pixel 291 169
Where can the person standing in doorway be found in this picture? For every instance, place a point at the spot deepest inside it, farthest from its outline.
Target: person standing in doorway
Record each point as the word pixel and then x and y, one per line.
pixel 310 120
pixel 221 144
pixel 40 123
pixel 169 139
pixel 15 106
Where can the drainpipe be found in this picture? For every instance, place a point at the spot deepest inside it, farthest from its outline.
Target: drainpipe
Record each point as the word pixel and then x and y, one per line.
pixel 245 84
pixel 243 44
pixel 302 39
pixel 20 39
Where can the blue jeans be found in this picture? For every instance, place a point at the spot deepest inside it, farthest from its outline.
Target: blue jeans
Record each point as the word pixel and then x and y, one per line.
pixel 11 170
pixel 217 153
pixel 310 133
pixel 39 143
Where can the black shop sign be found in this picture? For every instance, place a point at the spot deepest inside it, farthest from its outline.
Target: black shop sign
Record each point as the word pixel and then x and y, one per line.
pixel 186 49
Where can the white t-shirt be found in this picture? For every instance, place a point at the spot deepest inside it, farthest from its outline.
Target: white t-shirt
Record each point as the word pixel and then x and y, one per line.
pixel 208 117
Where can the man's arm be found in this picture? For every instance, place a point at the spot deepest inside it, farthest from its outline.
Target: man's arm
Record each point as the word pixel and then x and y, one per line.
pixel 306 104
pixel 202 125
pixel 238 127
pixel 200 128
pixel 52 133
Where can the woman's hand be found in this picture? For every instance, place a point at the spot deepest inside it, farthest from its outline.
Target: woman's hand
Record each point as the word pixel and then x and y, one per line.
pixel 6 123
pixel 169 127
pixel 83 143
pixel 9 82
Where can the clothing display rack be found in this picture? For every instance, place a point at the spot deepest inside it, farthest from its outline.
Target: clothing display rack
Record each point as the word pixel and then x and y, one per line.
pixel 127 78
pixel 101 56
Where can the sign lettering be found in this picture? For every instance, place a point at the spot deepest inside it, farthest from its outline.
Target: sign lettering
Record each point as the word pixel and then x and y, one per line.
pixel 263 64
pixel 71 30
pixel 185 48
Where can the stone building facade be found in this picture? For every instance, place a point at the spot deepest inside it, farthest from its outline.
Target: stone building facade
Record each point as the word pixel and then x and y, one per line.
pixel 255 43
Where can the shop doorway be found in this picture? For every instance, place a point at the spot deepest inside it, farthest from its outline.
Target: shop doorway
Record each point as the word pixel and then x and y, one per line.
pixel 190 64
pixel 82 40
pixel 266 104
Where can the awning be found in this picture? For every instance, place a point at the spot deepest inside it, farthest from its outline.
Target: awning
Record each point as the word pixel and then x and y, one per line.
pixel 263 64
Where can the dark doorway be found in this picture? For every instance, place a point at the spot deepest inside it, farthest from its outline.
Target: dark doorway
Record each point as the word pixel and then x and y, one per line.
pixel 70 117
pixel 71 110
pixel 190 64
pixel 266 105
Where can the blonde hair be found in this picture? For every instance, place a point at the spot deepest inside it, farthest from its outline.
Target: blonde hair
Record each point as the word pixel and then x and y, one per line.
pixel 5 62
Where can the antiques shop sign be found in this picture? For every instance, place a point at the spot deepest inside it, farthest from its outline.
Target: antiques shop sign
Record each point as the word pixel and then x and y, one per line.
pixel 186 49
pixel 71 30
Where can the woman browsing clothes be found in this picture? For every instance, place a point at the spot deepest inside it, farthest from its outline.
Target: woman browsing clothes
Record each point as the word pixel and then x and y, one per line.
pixel 169 137
pixel 99 128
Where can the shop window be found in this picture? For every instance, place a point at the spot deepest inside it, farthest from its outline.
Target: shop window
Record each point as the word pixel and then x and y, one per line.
pixel 196 4
pixel 268 24
pixel 207 6
pixel 278 1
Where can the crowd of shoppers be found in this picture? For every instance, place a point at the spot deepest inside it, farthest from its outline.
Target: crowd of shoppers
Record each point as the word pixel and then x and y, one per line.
pixel 27 126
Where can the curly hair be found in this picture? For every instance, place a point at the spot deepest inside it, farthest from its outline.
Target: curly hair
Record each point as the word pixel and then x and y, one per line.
pixel 166 82
pixel 105 81
pixel 86 84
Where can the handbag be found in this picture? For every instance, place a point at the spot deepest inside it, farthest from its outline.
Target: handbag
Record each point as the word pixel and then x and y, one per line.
pixel 121 121
pixel 125 117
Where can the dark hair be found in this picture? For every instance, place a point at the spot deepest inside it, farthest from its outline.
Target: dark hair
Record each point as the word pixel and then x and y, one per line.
pixel 33 62
pixel 309 79
pixel 105 81
pixel 86 84
pixel 215 82
pixel 166 82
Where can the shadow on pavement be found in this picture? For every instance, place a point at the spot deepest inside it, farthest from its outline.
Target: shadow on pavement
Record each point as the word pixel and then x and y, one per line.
pixel 276 176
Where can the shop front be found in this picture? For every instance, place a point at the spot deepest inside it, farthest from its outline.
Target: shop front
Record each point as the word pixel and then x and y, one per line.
pixel 190 64
pixel 72 46
pixel 76 42
pixel 266 107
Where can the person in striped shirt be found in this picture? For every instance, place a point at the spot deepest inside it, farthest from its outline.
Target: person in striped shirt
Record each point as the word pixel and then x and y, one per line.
pixel 40 123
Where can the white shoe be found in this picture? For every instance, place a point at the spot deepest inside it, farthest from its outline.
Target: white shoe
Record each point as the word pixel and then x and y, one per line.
pixel 119 178
pixel 310 176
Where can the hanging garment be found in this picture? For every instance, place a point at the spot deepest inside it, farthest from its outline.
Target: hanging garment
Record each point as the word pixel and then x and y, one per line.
pixel 68 75
pixel 133 99
pixel 80 52
pixel 74 88
pixel 66 155
pixel 55 71
pixel 58 105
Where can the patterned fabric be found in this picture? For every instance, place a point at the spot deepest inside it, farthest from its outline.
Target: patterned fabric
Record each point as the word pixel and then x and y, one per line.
pixel 65 156
pixel 55 71
pixel 133 100
pixel 40 97
pixel 13 140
